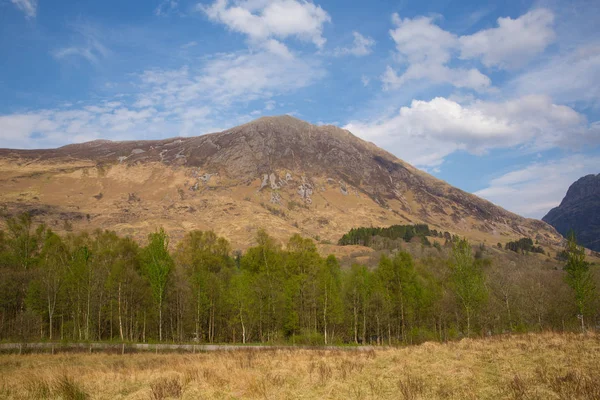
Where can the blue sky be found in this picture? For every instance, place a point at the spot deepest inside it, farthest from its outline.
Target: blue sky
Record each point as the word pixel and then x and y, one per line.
pixel 500 100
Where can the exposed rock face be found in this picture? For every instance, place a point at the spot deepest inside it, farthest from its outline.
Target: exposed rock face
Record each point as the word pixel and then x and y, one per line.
pixel 227 176
pixel 580 211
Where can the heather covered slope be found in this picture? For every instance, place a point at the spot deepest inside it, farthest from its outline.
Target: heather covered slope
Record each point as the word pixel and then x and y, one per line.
pixel 279 173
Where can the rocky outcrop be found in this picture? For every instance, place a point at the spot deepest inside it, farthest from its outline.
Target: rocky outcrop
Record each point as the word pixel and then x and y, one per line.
pixel 579 212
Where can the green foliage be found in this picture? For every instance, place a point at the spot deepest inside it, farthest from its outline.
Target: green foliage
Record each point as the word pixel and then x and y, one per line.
pixel 364 236
pixel 157 266
pixel 524 245
pixel 401 289
pixel 25 240
pixel 99 286
pixel 579 278
pixel 468 280
pixel 205 260
pixel 330 295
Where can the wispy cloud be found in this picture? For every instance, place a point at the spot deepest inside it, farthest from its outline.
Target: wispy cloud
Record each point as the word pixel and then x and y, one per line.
pixel 187 45
pixel 570 77
pixel 538 187
pixel 87 44
pixel 28 7
pixel 166 7
pixel 361 46
pixel 185 101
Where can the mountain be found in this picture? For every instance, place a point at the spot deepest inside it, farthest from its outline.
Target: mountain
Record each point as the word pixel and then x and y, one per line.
pixel 279 173
pixel 580 211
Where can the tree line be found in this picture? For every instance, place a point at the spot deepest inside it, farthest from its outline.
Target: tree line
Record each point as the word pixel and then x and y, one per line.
pixel 524 246
pixel 100 287
pixel 364 236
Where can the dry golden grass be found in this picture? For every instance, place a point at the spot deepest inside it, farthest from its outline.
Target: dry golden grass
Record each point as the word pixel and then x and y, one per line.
pixel 543 366
pixel 233 209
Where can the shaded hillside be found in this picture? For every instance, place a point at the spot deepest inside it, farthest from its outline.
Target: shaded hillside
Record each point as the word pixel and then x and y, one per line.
pixel 279 173
pixel 580 211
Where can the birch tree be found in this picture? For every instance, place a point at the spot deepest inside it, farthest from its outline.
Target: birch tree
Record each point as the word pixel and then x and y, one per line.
pixel 579 278
pixel 468 280
pixel 157 265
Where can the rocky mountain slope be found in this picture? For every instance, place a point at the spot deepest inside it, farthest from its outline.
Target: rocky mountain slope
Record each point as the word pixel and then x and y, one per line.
pixel 580 211
pixel 279 173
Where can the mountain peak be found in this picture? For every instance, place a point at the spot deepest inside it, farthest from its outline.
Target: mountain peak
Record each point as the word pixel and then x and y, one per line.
pixel 585 186
pixel 579 212
pixel 278 172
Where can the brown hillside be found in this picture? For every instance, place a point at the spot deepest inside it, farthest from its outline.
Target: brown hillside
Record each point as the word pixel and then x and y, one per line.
pixel 279 173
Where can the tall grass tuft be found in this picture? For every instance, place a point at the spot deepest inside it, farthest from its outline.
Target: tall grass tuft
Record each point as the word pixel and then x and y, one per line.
pixel 38 388
pixel 575 385
pixel 411 387
pixel 67 388
pixel 518 388
pixel 164 388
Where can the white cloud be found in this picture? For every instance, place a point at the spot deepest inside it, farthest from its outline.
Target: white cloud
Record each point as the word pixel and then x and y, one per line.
pixel 430 53
pixel 428 131
pixel 568 78
pixel 421 41
pixel 263 20
pixel 18 126
pixel 181 102
pixel 361 46
pixel 28 7
pixel 278 48
pixel 426 49
pixel 535 189
pixel 513 43
pixel 435 73
pixel 365 80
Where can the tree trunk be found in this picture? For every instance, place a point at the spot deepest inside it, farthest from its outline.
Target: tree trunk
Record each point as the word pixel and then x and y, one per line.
pixel 355 323
pixel 120 317
pixel 325 318
pixel 402 326
pixel 243 326
pixel 160 318
pixel 50 326
pixel 468 322
pixel 87 315
pixel 198 316
pixel 510 324
pixel 364 330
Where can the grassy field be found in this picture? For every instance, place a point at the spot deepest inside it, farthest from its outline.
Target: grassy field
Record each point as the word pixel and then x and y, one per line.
pixel 541 366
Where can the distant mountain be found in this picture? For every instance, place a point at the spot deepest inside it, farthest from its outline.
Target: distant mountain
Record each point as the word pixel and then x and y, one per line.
pixel 580 211
pixel 279 173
